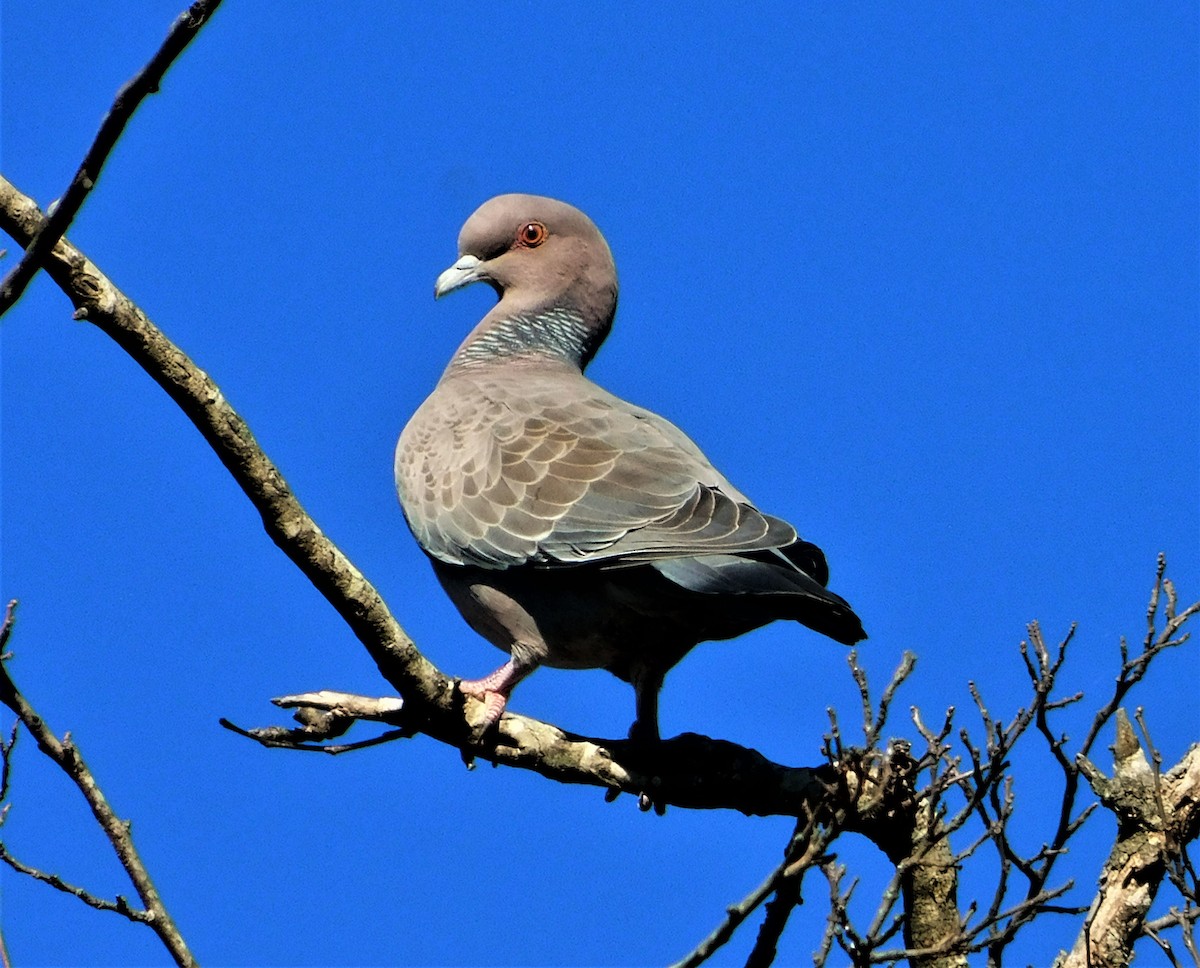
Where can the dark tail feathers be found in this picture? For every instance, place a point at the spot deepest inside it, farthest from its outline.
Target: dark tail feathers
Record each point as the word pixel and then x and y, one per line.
pixel 779 577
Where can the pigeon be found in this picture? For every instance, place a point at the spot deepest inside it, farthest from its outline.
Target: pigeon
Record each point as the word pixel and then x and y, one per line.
pixel 569 527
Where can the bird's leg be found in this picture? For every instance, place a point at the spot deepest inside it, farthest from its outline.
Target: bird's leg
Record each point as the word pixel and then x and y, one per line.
pixel 647 681
pixel 646 684
pixel 494 690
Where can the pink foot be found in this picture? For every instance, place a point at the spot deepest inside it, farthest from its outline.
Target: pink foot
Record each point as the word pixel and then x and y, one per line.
pixel 493 691
pixel 493 701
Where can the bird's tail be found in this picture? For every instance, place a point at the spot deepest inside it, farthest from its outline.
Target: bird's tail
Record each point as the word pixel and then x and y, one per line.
pixel 794 594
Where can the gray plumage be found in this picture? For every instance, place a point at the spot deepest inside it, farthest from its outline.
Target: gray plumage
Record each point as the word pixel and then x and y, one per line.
pixel 571 528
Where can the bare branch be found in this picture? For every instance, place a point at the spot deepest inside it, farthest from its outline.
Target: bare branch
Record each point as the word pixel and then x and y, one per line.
pixel 805 850
pixel 129 97
pixel 735 915
pixel 67 757
pixel 6 748
pixel 1155 642
pixel 864 694
pixel 120 906
pixel 778 910
pixel 276 737
pixel 1156 817
pixel 99 301
pixel 348 705
pixel 1152 929
pixel 871 790
pixel 838 901
pixel 873 726
pixel 326 715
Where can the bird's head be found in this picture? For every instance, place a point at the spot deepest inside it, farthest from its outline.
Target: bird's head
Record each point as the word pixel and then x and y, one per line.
pixel 537 253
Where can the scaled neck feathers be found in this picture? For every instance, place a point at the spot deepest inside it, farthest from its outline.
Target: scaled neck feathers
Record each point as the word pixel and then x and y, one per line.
pixel 554 334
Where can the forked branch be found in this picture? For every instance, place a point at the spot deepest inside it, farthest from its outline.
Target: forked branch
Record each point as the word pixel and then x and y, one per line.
pixel 68 758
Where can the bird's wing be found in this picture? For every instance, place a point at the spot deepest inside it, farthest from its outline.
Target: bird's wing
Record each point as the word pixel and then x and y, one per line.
pixel 503 472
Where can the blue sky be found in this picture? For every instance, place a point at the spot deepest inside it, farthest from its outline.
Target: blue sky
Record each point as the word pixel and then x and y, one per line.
pixel 922 282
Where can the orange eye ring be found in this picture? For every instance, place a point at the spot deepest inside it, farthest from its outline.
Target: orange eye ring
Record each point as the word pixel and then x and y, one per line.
pixel 531 234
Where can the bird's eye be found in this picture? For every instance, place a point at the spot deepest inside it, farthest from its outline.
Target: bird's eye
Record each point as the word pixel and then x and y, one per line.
pixel 532 234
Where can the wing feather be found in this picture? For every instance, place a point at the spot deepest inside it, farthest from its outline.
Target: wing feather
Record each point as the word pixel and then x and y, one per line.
pixel 494 473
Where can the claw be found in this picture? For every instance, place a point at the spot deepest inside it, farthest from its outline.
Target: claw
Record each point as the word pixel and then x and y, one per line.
pixel 493 691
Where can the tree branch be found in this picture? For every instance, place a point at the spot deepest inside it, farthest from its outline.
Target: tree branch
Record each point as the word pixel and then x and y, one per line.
pixel 805 850
pixel 325 715
pixel 1156 817
pixel 69 760
pixel 97 300
pixel 129 97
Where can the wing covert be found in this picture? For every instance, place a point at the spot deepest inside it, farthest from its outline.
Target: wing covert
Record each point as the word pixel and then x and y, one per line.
pixel 495 475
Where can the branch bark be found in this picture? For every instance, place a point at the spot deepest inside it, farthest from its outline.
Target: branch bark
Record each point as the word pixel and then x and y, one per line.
pixel 1156 816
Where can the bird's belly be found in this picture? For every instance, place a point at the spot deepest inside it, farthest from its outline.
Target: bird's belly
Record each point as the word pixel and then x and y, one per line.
pixel 572 618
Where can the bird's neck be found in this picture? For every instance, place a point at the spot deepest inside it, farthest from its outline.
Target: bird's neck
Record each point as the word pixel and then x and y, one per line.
pixel 556 334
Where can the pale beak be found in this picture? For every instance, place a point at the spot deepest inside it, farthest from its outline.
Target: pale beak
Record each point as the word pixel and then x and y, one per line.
pixel 464 272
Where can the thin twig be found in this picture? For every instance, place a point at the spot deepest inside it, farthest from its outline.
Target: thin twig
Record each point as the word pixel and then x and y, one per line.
pixel 778 911
pixel 120 906
pixel 6 748
pixel 278 738
pixel 1150 931
pixel 864 694
pixel 6 751
pixel 908 662
pixel 735 915
pixel 836 923
pixel 1155 642
pixel 186 26
pixel 67 757
pixel 805 849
